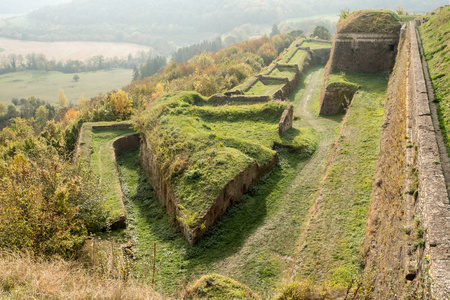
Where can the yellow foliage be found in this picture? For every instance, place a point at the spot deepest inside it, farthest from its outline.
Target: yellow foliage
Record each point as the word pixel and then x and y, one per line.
pixel 158 91
pixel 71 114
pixel 120 104
pixel 83 102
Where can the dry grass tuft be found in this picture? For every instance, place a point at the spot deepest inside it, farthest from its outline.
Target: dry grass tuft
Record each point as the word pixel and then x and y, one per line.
pixel 23 276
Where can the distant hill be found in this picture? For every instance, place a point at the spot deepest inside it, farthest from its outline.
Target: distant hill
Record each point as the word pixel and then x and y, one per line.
pixel 166 25
pixel 25 6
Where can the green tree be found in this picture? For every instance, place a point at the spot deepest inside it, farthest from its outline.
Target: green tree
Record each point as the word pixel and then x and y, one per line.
pixel 76 77
pixel 2 108
pixel 296 33
pixel 136 74
pixel 275 30
pixel 62 99
pixel 41 117
pixel 321 32
pixel 12 112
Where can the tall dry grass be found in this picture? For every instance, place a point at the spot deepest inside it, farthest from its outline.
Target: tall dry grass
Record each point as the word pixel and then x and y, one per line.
pixel 23 276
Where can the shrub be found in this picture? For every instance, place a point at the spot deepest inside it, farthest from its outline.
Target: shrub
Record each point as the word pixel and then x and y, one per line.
pixel 48 204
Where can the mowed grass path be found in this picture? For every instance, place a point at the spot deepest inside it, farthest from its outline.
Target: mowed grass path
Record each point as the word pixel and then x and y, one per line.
pixel 102 163
pixel 330 250
pixel 45 85
pixel 256 241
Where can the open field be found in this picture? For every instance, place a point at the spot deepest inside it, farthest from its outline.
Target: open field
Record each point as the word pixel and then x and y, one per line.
pixel 45 85
pixel 69 50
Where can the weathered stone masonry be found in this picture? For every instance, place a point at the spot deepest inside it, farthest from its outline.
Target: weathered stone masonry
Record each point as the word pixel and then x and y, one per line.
pixel 364 52
pixel 432 204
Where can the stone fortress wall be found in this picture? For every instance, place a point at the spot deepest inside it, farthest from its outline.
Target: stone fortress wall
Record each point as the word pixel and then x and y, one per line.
pixel 432 204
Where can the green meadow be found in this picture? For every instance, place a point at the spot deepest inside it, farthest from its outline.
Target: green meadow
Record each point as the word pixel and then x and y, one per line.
pixel 45 85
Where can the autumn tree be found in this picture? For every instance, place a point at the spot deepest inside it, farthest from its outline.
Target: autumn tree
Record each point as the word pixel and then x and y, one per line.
pixel 268 53
pixel 62 99
pixel 71 114
pixel 83 102
pixel 120 104
pixel 159 90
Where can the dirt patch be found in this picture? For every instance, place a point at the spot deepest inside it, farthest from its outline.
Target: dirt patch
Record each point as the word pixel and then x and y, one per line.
pixel 69 50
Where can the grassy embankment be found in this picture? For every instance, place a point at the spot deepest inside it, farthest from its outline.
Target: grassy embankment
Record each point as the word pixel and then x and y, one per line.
pixel 45 85
pixel 96 148
pixel 331 250
pixel 435 35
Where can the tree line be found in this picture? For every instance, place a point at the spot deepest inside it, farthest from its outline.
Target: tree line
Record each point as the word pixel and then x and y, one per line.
pixel 34 61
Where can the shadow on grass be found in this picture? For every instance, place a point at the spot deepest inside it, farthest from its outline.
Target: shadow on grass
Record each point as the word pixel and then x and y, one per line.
pixel 223 239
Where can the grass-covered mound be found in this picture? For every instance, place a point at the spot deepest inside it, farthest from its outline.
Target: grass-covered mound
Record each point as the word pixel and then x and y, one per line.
pixel 435 35
pixel 370 21
pixel 216 286
pixel 268 87
pixel 339 80
pixel 200 148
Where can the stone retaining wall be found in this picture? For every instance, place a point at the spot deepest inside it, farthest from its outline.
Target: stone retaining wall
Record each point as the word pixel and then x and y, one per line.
pixel 432 203
pixel 234 189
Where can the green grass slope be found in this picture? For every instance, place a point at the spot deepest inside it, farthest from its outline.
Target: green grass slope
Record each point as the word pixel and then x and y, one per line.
pixel 435 35
pixel 331 249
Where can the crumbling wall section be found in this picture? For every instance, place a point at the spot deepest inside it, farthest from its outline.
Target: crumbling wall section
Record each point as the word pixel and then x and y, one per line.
pixel 286 121
pixel 335 99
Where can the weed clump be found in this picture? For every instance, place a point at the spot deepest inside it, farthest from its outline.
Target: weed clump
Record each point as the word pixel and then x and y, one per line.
pixel 216 286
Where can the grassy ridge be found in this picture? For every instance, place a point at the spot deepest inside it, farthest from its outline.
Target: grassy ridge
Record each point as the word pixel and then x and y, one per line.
pixel 435 35
pixel 332 245
pixel 45 85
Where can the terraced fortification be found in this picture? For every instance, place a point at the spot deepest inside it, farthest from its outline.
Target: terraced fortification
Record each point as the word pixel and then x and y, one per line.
pixel 200 156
